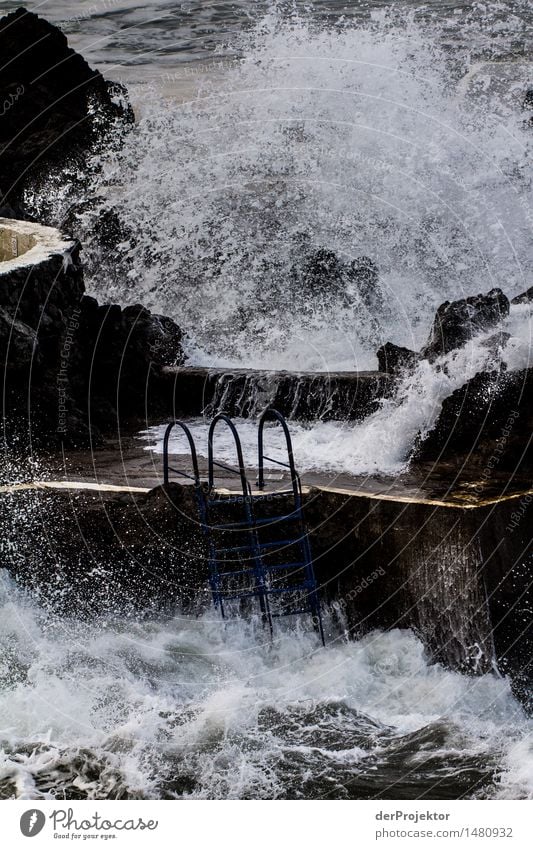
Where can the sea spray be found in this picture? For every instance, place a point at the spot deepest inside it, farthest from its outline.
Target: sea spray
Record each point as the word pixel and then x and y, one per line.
pixel 384 441
pixel 363 139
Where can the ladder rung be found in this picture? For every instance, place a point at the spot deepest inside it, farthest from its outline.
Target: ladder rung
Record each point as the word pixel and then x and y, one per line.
pixel 278 568
pixel 227 468
pixel 243 526
pixel 224 597
pixel 291 612
pixel 222 502
pixel 235 549
pixel 278 462
pixel 272 519
pixel 230 574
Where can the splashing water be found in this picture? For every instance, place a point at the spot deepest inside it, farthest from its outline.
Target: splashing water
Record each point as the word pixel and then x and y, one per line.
pixel 185 707
pixel 363 140
pixel 383 442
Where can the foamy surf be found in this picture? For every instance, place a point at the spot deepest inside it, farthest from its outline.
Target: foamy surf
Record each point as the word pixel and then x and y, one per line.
pixel 366 139
pixel 191 708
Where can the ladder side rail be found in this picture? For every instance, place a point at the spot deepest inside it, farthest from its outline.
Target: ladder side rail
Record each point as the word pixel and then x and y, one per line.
pixel 248 510
pixel 192 449
pixel 270 414
pixel 222 417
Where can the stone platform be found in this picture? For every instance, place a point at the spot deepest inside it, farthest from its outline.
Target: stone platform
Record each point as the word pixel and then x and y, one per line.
pixel 447 556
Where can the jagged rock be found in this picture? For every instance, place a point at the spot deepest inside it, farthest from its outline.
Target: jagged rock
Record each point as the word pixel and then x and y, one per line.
pixel 118 351
pixel 489 420
pixel 393 359
pixel 326 275
pixel 323 273
pixel 67 361
pixel 363 274
pixel 496 342
pixel 525 298
pixel 459 321
pixel 19 347
pixel 54 105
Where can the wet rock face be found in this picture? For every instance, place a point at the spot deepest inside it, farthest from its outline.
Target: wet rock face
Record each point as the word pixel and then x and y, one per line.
pixel 117 351
pixel 455 324
pixel 525 298
pixel 458 322
pixel 326 275
pixel 489 420
pixel 69 366
pixel 36 305
pixel 394 360
pixel 53 105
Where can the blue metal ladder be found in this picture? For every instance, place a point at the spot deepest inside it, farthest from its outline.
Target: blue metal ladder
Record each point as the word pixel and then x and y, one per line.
pixel 248 557
pixel 295 575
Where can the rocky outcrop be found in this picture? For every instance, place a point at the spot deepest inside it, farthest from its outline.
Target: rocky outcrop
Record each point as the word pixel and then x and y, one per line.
pixel 71 367
pixel 54 107
pixel 395 360
pixel 525 298
pixel 459 321
pixel 326 275
pixel 489 422
pixel 455 324
pixel 118 351
pixel 39 294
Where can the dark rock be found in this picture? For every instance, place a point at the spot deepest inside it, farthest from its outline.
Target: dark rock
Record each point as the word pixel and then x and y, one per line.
pixel 459 321
pixel 525 298
pixel 322 273
pixel 71 367
pixel 528 99
pixel 488 421
pixel 18 344
pixel 363 274
pixel 496 342
pixel 119 351
pixel 393 359
pixel 53 107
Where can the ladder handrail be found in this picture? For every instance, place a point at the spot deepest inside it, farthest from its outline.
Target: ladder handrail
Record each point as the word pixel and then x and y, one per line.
pixel 222 417
pixel 192 448
pixel 273 415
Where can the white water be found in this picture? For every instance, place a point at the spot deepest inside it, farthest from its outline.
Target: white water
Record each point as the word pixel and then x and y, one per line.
pixel 383 442
pixel 189 707
pixel 367 140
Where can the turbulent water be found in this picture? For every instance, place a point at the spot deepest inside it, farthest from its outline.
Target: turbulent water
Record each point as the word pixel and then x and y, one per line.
pixel 264 133
pixel 393 134
pixel 384 441
pixel 186 708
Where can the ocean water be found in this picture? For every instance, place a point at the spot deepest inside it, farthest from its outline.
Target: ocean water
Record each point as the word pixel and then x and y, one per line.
pixel 188 708
pixel 266 131
pixel 269 131
pixel 384 441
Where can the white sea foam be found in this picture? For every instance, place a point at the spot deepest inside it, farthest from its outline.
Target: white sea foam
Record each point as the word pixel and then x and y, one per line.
pixel 365 140
pixel 384 440
pixel 192 707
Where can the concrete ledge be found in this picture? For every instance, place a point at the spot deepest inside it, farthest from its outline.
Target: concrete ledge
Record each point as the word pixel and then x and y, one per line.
pixel 24 244
pixel 298 395
pixel 413 553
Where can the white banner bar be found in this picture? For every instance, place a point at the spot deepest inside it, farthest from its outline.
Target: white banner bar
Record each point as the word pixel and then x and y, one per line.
pixel 268 825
